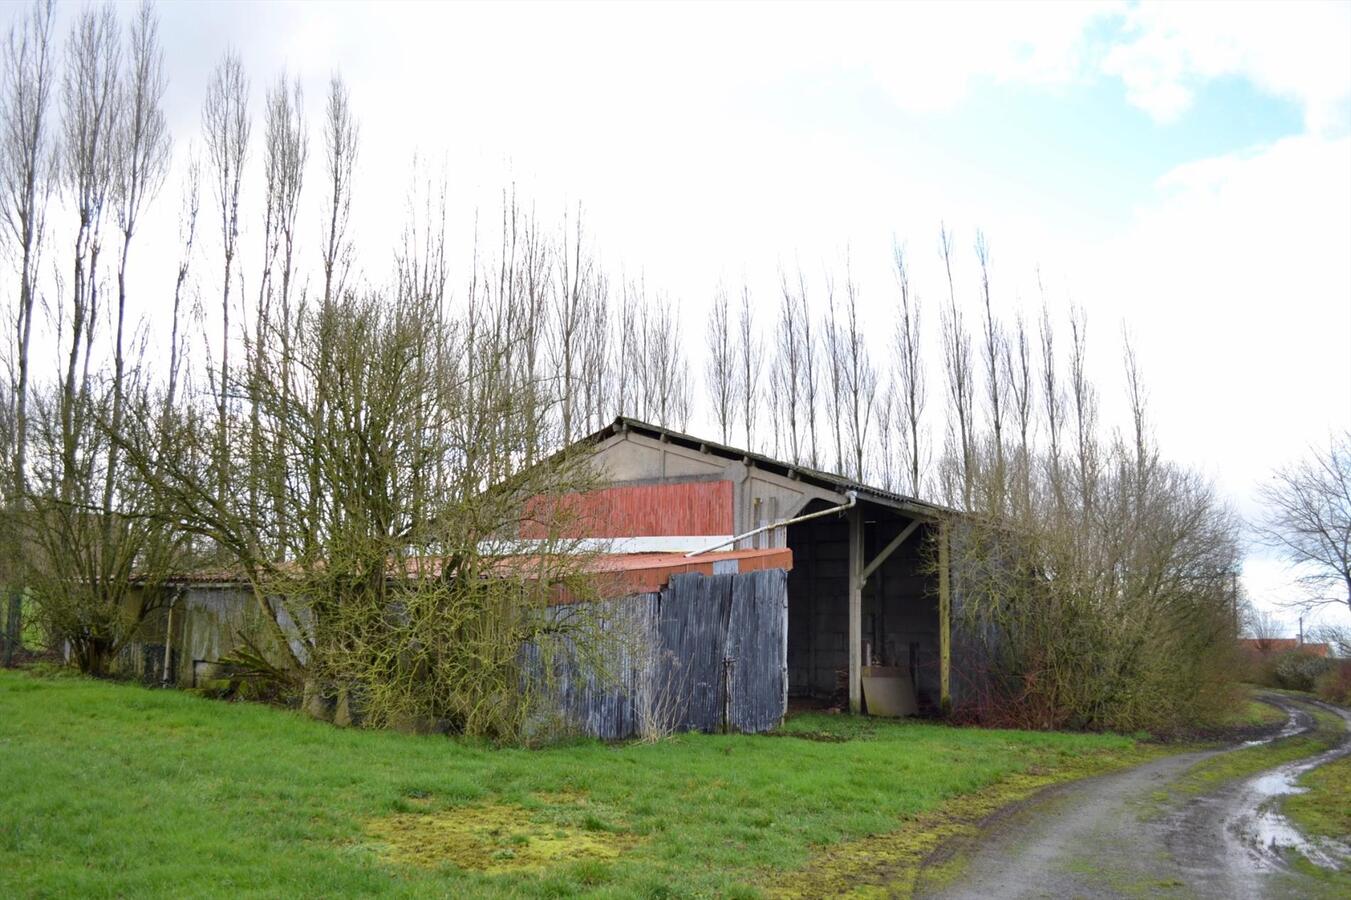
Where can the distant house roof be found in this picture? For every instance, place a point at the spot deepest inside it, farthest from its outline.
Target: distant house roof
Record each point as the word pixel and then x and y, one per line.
pixel 827 480
pixel 1283 645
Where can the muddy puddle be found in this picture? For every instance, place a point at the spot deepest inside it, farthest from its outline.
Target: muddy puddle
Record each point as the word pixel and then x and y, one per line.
pixel 1270 834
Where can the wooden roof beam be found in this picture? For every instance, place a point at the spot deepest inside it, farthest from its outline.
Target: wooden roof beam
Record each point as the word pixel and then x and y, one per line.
pixel 889 549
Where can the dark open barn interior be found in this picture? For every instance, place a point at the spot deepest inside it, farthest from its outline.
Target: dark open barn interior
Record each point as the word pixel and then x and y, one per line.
pixel 900 627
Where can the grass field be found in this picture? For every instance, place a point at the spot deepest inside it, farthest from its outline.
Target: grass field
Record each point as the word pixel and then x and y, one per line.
pixel 1254 713
pixel 117 790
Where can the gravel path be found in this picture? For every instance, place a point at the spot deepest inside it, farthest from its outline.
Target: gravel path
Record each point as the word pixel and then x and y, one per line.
pixel 1122 835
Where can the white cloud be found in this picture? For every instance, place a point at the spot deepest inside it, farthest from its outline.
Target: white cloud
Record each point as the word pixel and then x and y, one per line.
pixel 1294 50
pixel 1234 278
pixel 928 58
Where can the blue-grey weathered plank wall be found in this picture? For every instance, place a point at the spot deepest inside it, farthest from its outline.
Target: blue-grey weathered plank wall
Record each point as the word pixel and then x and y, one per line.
pixel 706 653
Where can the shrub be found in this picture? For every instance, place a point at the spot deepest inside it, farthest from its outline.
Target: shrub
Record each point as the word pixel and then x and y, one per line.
pixel 1296 671
pixel 1334 685
pixel 1113 612
pixel 1263 670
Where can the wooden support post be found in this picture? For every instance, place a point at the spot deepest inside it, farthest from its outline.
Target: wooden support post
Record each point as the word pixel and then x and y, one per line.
pixel 855 610
pixel 944 620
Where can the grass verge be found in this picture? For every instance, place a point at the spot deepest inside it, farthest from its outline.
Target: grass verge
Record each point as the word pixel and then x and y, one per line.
pixel 1210 773
pixel 890 864
pixel 1324 811
pixel 1253 713
pixel 127 791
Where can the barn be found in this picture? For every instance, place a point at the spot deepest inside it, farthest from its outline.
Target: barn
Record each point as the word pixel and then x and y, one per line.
pixel 869 599
pixel 753 585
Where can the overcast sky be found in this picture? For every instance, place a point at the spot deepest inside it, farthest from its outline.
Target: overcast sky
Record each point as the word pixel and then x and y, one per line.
pixel 1183 171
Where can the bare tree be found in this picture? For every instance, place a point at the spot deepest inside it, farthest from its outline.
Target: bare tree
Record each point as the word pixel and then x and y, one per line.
pixel 285 152
pixel 187 236
pixel 810 369
pixel 667 378
pixel 1142 446
pixel 860 381
pixel 1338 637
pixel 835 362
pixel 642 379
pixel 788 364
pixel 1083 400
pixel 960 381
pixel 27 163
pixel 597 368
pixel 569 321
pixel 90 100
pixel 993 351
pixel 1262 625
pixel 340 153
pixel 721 364
pixel 1307 518
pixel 909 377
pixel 1018 365
pixel 1114 607
pixel 425 410
pixel 627 346
pixel 1052 399
pixel 888 416
pixel 140 164
pixel 99 549
pixel 225 126
pixel 749 362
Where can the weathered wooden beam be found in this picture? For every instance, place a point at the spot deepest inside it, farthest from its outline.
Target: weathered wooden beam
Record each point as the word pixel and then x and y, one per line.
pixel 855 610
pixel 889 549
pixel 944 620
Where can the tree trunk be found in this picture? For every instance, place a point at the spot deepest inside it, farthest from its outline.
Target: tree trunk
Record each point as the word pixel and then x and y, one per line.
pixel 312 700
pixel 342 712
pixel 13 626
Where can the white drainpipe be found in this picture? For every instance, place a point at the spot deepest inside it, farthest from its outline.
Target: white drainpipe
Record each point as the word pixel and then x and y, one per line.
pixel 851 496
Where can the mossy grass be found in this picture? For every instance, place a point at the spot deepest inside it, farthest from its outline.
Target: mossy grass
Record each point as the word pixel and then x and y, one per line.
pixel 1254 713
pixel 928 844
pixel 1324 810
pixel 1323 813
pixel 119 790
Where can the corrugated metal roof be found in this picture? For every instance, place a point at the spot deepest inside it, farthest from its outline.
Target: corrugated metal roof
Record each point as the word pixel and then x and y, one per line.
pixel 827 480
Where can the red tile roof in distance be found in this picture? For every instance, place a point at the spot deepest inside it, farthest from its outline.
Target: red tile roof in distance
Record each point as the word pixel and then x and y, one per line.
pixel 1283 645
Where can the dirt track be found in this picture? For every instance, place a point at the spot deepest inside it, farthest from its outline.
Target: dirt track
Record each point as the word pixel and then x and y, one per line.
pixel 1124 835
